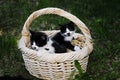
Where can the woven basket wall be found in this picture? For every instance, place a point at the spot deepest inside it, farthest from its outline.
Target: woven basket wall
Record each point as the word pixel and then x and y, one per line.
pixel 54 66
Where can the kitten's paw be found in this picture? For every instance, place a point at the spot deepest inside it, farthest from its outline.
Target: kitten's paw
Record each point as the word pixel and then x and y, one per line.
pixel 76 48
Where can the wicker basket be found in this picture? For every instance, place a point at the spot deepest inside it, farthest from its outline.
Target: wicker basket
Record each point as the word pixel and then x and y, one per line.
pixel 53 66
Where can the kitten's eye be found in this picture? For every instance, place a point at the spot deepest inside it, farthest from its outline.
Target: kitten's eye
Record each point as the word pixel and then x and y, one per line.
pixel 46 49
pixel 63 31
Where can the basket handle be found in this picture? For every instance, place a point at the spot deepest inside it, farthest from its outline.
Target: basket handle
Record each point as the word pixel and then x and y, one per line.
pixel 57 11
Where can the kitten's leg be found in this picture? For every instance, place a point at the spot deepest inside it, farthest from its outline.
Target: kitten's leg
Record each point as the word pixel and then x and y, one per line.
pixel 71 47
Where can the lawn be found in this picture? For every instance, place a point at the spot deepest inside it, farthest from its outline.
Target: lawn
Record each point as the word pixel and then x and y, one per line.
pixel 102 17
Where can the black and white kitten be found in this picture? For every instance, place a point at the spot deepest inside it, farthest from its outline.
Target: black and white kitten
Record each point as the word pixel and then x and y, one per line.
pixel 65 36
pixel 42 43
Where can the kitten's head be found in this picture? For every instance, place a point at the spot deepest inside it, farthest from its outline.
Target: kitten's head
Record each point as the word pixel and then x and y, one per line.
pixel 38 39
pixel 67 29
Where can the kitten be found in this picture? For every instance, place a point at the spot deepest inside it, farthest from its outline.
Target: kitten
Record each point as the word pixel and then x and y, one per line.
pixel 66 35
pixel 42 43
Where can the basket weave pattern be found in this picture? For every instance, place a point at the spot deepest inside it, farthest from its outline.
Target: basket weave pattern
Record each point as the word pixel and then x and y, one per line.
pixel 53 66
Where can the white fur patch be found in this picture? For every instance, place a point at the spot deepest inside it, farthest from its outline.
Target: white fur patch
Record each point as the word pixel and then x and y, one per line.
pixel 41 52
pixel 34 46
pixel 48 46
pixel 69 38
pixel 76 48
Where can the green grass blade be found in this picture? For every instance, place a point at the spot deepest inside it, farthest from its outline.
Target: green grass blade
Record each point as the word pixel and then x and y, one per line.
pixel 78 66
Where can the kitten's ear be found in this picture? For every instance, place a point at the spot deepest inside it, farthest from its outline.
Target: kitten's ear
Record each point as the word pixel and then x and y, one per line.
pixel 31 32
pixel 71 23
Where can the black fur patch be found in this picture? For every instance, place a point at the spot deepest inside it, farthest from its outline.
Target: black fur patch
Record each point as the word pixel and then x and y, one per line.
pixel 59 48
pixel 39 38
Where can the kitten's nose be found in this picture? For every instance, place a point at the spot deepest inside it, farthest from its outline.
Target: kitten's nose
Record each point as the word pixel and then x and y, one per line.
pixel 68 34
pixel 34 48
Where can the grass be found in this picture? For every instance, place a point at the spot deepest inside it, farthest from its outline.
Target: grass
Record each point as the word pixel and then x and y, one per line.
pixel 101 16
